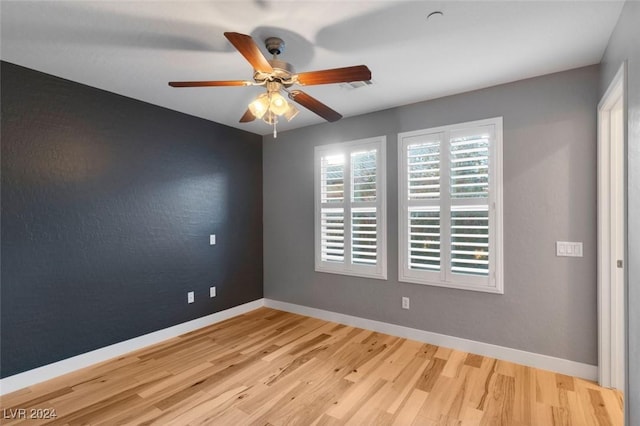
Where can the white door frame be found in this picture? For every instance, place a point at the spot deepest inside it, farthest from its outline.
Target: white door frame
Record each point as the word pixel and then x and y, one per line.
pixel 611 233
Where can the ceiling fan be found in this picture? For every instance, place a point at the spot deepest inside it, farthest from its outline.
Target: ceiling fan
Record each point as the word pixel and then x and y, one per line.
pixel 278 76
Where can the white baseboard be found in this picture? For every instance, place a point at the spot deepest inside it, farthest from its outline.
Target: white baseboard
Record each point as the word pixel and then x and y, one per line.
pixel 545 362
pixel 49 371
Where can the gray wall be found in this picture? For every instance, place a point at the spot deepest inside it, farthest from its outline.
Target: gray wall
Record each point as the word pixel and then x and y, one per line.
pixel 107 204
pixel 549 304
pixel 625 45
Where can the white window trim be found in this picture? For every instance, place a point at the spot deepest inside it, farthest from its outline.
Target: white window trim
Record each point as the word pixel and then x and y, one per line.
pixel 496 207
pixel 379 271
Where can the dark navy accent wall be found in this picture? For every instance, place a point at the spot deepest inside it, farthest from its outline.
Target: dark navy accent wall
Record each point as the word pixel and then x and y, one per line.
pixel 107 207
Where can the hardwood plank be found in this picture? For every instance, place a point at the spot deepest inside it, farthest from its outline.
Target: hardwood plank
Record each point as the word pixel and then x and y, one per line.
pixel 317 398
pixel 379 354
pixel 231 416
pixel 546 388
pixel 411 408
pixel 356 394
pixel 199 408
pixel 524 396
pixel 405 383
pixel 428 351
pixel 393 365
pixel 564 382
pixel 499 409
pixel 260 401
pixel 560 416
pixel 577 411
pixel 443 353
pixel 544 414
pixel 473 417
pixel 454 363
pixel 274 402
pixel 483 381
pixel 443 397
pixel 506 368
pixel 612 400
pixel 371 407
pixel 599 408
pixel 474 360
pixel 431 374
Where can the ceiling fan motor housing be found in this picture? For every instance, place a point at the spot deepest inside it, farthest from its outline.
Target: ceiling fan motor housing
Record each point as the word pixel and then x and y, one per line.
pixel 282 72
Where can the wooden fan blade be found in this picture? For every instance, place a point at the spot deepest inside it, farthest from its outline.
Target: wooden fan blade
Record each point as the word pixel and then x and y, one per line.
pixel 249 49
pixel 247 117
pixel 209 83
pixel 314 105
pixel 335 75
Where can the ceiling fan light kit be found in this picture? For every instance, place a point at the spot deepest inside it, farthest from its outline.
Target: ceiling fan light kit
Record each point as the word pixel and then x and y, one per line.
pixel 278 76
pixel 271 105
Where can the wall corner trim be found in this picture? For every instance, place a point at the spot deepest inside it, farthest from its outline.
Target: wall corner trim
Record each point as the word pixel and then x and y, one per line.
pixel 545 362
pixel 59 368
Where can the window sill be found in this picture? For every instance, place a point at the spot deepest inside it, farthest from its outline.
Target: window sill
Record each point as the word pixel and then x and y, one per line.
pixel 457 286
pixel 361 274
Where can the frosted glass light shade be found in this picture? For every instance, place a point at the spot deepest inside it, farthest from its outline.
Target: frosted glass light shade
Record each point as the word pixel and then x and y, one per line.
pixel 259 106
pixel 291 112
pixel 270 118
pixel 279 104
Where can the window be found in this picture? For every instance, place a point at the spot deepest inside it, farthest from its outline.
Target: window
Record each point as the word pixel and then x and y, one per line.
pixel 450 206
pixel 350 208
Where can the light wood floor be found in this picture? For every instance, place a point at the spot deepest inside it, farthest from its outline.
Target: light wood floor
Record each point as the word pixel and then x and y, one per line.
pixel 272 368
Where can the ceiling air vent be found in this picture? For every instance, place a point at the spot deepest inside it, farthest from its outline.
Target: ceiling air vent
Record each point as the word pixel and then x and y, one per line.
pixel 356 84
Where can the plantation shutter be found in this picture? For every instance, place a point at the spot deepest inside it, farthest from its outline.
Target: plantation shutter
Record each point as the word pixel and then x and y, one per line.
pixel 350 208
pixel 469 191
pixel 450 206
pixel 364 229
pixel 332 172
pixel 423 177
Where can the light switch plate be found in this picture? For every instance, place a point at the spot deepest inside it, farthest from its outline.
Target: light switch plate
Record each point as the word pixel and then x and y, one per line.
pixel 568 249
pixel 212 239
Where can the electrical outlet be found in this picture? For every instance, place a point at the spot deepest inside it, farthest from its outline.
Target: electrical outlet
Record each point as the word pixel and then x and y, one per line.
pixel 405 303
pixel 190 297
pixel 212 292
pixel 212 239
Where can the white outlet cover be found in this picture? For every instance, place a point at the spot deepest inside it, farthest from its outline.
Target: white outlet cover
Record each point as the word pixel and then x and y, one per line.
pixel 212 292
pixel 212 239
pixel 405 303
pixel 190 297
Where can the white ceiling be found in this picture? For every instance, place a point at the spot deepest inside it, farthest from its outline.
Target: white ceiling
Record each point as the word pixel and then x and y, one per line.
pixel 135 48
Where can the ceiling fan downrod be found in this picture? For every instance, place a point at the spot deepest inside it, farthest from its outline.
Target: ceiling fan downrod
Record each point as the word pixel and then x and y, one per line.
pixel 274 45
